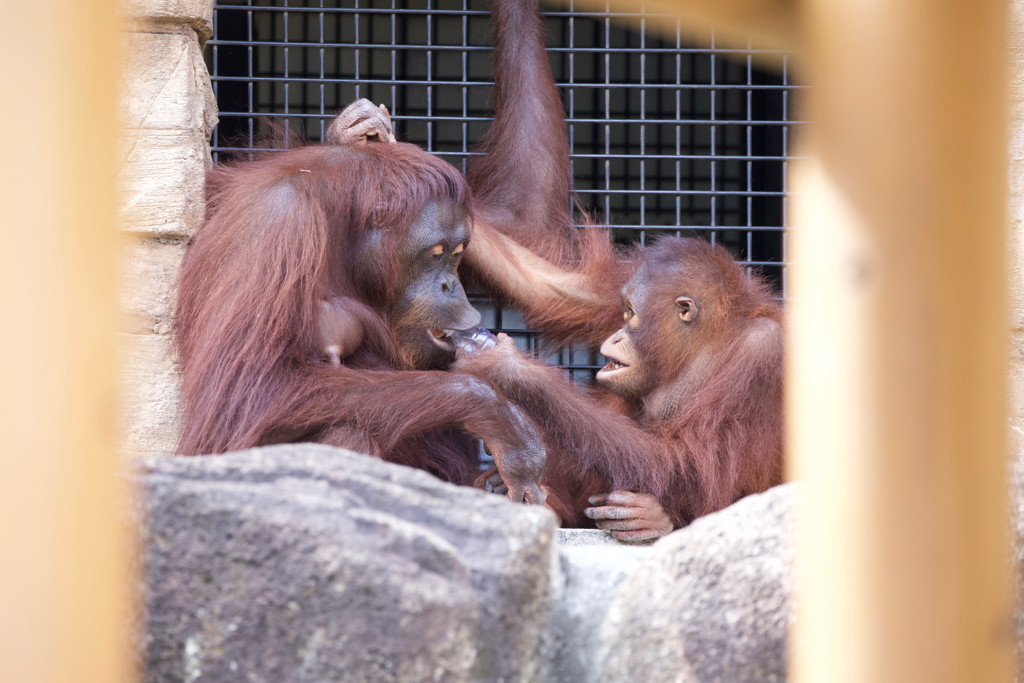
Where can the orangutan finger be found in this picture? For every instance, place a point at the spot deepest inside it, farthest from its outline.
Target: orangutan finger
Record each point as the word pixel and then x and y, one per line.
pixel 371 128
pixel 487 475
pixel 492 482
pixel 534 495
pixel 620 524
pixel 627 498
pixel 609 512
pixel 638 535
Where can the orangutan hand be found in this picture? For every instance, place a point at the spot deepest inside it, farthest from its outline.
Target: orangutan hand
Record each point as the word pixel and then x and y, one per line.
pixel 491 482
pixel 493 362
pixel 629 516
pixel 361 120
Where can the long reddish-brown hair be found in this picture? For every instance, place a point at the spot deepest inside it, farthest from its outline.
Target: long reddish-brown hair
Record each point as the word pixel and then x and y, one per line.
pixel 283 232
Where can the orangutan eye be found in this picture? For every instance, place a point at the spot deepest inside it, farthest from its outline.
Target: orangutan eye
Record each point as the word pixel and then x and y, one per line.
pixel 437 250
pixel 458 250
pixel 628 314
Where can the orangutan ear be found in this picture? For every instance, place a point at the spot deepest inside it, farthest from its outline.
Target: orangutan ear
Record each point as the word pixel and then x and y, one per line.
pixel 687 308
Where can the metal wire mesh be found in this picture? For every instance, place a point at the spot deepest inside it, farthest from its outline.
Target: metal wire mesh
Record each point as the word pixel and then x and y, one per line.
pixel 667 136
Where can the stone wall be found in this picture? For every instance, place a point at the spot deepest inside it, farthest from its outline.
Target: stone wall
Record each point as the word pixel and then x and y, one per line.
pixel 167 115
pixel 1016 229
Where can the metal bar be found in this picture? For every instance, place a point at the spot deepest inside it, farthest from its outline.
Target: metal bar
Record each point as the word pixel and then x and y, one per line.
pixel 465 89
pixel 785 177
pixel 430 86
pixel 678 126
pixel 486 48
pixel 714 204
pixel 648 121
pixel 215 140
pixel 603 85
pixel 607 115
pixel 394 72
pixel 323 74
pixel 355 51
pixel 454 12
pixel 750 164
pixel 287 80
pixel 251 84
pixel 643 128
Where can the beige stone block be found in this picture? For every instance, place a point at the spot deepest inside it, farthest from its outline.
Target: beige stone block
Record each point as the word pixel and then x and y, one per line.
pixel 161 182
pixel 155 15
pixel 165 84
pixel 149 275
pixel 150 384
pixel 1015 237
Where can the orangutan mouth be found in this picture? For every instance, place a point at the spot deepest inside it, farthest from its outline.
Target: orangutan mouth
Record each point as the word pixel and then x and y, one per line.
pixel 612 366
pixel 443 338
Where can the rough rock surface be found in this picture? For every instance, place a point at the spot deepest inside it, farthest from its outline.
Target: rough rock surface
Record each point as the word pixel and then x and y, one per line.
pixel 588 578
pixel 710 604
pixel 592 537
pixel 308 563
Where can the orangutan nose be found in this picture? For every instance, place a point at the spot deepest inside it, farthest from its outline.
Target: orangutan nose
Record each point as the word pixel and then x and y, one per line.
pixel 618 336
pixel 449 284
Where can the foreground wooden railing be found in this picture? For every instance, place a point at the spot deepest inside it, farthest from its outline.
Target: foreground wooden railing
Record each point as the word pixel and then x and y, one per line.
pixel 896 340
pixel 63 560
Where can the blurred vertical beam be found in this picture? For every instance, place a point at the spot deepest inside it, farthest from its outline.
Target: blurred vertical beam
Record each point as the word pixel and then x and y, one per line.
pixel 63 578
pixel 897 345
pixel 897 336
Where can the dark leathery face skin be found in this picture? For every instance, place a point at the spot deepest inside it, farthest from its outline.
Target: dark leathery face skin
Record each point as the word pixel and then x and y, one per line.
pixel 430 299
pixel 626 374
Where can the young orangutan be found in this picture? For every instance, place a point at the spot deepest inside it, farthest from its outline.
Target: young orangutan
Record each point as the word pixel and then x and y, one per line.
pixel 688 414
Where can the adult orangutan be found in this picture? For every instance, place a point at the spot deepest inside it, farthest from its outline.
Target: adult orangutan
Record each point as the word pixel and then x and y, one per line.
pixel 688 412
pixel 320 301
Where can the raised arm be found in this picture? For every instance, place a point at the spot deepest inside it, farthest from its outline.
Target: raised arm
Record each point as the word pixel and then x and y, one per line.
pixel 525 249
pixel 523 186
pixel 579 302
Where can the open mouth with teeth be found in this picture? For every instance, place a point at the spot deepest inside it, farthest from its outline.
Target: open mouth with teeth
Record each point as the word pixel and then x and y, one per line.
pixel 613 366
pixel 443 339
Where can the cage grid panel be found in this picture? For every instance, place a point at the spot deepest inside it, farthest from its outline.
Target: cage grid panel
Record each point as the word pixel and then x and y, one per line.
pixel 667 135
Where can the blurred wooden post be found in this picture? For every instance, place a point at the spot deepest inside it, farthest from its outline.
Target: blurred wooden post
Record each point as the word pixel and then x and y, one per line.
pixel 898 344
pixel 897 338
pixel 63 579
